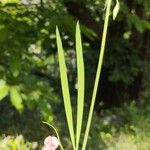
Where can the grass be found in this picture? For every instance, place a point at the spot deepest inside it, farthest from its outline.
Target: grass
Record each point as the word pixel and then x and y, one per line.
pixel 81 80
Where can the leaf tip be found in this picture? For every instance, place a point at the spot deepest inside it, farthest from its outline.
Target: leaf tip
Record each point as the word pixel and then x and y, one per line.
pixel 116 10
pixel 57 30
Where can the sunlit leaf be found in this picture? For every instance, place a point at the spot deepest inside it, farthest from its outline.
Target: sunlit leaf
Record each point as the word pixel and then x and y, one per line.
pixel 9 1
pixel 116 10
pixel 4 89
pixel 65 87
pixel 80 71
pixel 98 73
pixel 16 99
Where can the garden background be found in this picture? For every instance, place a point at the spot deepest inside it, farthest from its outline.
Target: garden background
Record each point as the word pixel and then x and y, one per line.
pixel 30 89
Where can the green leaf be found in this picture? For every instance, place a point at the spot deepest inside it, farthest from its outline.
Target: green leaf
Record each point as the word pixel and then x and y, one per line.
pixel 116 10
pixel 9 1
pixel 138 23
pixel 15 66
pixel 4 89
pixel 102 50
pixel 65 87
pixel 46 110
pixel 80 71
pixel 16 99
pixel 3 33
pixel 146 24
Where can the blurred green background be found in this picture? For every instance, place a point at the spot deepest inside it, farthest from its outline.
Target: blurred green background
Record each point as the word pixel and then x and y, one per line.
pixel 30 89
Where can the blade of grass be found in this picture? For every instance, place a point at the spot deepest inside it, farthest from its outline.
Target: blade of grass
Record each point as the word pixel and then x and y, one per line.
pixel 80 72
pixel 65 87
pixel 97 74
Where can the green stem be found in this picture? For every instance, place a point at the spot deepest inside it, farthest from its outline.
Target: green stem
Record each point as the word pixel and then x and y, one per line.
pixel 97 74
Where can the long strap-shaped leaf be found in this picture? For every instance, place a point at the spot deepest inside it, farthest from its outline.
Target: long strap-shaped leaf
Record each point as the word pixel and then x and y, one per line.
pixel 97 74
pixel 65 88
pixel 80 72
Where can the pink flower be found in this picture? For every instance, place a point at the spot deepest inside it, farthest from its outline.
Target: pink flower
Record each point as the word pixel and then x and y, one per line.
pixel 50 143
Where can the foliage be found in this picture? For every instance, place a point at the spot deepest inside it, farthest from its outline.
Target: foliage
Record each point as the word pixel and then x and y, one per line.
pixel 132 133
pixel 112 130
pixel 81 78
pixel 23 59
pixel 98 72
pixel 29 74
pixel 28 60
pixel 65 88
pixel 16 143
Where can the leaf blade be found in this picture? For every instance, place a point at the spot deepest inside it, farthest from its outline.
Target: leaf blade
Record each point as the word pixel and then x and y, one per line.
pixel 4 89
pixel 80 74
pixel 16 99
pixel 98 73
pixel 116 10
pixel 65 87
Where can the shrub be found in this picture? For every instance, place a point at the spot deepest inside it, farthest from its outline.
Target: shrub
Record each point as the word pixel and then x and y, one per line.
pixel 16 143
